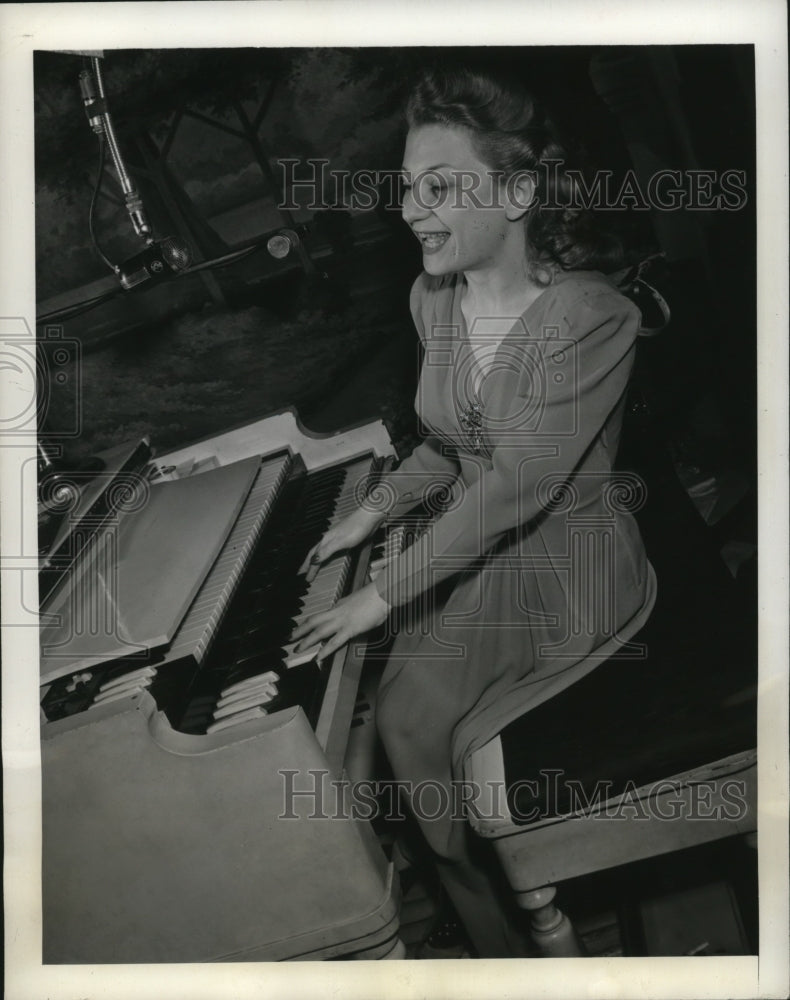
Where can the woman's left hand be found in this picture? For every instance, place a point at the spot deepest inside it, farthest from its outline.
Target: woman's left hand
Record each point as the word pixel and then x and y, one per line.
pixel 352 615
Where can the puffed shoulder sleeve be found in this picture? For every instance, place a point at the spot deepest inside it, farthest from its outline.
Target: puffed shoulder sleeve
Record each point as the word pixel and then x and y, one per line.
pixel 549 437
pixel 432 465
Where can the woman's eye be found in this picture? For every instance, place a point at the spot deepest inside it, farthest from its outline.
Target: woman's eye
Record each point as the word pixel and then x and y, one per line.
pixel 432 192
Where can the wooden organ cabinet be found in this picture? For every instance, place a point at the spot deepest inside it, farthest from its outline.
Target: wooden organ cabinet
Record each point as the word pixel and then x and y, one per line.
pixel 175 714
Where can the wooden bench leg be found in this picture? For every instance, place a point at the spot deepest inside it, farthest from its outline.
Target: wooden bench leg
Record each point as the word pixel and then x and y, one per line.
pixel 551 930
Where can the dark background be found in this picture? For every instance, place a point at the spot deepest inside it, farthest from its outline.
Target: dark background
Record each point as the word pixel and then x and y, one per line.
pixel 201 353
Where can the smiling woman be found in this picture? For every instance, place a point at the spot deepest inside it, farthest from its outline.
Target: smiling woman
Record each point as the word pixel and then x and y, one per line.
pixel 459 209
pixel 533 574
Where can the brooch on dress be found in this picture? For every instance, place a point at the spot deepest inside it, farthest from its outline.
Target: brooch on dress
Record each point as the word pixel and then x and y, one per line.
pixel 472 422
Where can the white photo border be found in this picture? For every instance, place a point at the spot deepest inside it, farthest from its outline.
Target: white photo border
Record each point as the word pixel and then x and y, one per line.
pixel 104 26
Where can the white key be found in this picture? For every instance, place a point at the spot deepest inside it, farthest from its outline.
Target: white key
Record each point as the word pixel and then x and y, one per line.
pixel 257 698
pixel 269 677
pixel 251 713
pixel 260 691
pixel 144 673
pixel 293 659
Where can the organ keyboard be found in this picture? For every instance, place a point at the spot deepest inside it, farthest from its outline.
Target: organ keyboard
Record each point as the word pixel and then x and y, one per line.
pixel 187 751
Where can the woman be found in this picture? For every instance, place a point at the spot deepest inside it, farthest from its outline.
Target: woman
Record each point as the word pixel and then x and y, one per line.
pixel 531 576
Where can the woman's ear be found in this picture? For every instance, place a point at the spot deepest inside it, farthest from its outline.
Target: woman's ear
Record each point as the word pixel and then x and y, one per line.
pixel 520 192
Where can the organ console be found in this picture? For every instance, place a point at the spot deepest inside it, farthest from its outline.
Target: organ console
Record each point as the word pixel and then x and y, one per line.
pixel 192 763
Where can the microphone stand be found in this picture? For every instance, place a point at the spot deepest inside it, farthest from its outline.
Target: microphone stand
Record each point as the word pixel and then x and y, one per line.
pixel 95 100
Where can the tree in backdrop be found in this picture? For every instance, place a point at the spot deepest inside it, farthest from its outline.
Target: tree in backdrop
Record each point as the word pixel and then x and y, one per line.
pixel 202 131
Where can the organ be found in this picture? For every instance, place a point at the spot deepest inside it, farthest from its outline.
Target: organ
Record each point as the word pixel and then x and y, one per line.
pixel 187 752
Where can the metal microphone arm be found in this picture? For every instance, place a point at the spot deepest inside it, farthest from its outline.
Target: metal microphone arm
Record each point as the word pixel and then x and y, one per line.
pixel 134 204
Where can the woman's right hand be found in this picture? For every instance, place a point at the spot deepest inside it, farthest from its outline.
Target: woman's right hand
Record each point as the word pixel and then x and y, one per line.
pixel 346 534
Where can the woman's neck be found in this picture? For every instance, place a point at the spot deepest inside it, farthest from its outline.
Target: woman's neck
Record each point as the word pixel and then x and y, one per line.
pixel 504 289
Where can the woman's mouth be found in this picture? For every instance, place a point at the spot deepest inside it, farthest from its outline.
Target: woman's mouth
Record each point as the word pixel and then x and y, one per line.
pixel 431 242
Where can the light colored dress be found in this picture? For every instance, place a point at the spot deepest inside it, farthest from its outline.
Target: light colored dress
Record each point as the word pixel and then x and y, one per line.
pixel 536 572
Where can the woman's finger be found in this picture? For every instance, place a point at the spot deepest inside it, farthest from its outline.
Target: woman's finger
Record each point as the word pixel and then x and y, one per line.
pixel 300 634
pixel 317 634
pixel 318 626
pixel 312 554
pixel 309 623
pixel 319 553
pixel 340 639
pixel 316 561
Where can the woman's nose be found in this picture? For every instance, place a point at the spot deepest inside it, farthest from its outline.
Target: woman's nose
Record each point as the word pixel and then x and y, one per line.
pixel 412 210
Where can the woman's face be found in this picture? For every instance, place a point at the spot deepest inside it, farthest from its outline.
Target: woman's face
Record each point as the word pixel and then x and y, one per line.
pixel 454 203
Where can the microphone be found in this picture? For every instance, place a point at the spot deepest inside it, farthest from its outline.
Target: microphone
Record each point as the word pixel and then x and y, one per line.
pixel 94 100
pixel 95 106
pixel 160 259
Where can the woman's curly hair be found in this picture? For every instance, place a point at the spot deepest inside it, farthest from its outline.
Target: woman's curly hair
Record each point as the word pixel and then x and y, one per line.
pixel 512 133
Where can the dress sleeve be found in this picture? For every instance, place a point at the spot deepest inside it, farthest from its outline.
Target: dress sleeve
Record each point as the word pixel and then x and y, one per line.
pixel 432 464
pixel 601 337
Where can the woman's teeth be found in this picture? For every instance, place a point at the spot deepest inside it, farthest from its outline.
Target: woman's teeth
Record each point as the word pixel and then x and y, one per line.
pixel 433 241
